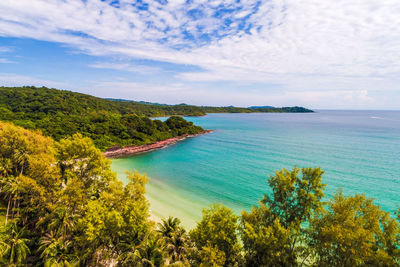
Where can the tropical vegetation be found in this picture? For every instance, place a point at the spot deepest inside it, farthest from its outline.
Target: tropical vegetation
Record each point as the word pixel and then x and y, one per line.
pixel 63 206
pixel 107 122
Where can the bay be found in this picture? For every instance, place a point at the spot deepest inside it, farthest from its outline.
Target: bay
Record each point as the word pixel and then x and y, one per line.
pixel 358 150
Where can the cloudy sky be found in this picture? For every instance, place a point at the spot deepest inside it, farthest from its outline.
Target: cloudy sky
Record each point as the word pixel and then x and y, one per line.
pixel 341 54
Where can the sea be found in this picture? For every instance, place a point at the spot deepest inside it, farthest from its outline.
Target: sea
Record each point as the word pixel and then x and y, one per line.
pixel 358 150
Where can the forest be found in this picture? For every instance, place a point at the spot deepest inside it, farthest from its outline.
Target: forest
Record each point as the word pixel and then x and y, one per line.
pixel 63 206
pixel 59 114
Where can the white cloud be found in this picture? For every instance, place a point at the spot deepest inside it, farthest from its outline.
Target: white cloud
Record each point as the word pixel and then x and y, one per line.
pixel 338 46
pixel 10 79
pixel 142 69
pixel 181 93
pixel 5 49
pixel 6 61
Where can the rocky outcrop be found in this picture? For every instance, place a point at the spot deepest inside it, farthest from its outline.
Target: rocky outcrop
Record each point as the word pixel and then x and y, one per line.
pixel 118 152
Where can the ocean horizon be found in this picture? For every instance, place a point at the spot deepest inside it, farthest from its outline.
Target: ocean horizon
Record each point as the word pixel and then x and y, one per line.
pixel 359 150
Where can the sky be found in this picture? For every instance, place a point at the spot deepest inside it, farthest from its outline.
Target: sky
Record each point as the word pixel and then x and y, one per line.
pixel 321 54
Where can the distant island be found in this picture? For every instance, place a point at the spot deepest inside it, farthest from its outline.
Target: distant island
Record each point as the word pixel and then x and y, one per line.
pixel 191 110
pixel 258 107
pixel 109 122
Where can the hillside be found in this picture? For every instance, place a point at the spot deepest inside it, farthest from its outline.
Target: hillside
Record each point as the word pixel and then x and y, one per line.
pixel 59 113
pixel 62 113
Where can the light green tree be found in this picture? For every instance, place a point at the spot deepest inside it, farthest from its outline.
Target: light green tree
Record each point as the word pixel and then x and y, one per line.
pixel 354 232
pixel 175 240
pixel 78 158
pixel 218 229
pixel 27 165
pixel 272 233
pixel 211 257
pixel 56 251
pixel 13 245
pixel 116 221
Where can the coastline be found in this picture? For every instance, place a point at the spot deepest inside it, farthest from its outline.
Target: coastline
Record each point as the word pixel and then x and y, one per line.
pixel 119 152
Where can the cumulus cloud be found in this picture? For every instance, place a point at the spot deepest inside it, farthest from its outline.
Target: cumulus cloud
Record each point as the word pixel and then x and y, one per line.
pixel 302 45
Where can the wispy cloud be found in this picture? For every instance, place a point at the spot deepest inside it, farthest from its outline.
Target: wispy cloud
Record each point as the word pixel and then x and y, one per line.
pixel 6 61
pixel 327 45
pixel 11 79
pixel 5 49
pixel 142 69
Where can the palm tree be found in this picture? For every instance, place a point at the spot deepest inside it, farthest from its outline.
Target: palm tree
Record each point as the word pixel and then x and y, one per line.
pixel 174 236
pixel 147 254
pixel 9 188
pixel 176 246
pixel 61 221
pixel 168 227
pixel 14 247
pixel 56 251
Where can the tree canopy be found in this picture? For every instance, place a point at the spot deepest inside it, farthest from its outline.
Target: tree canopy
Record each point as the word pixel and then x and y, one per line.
pixel 63 206
pixel 60 114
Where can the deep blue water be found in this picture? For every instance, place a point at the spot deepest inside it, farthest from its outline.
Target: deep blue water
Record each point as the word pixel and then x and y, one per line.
pixel 358 150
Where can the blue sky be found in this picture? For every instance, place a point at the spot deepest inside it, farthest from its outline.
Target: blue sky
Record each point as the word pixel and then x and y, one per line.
pixel 336 54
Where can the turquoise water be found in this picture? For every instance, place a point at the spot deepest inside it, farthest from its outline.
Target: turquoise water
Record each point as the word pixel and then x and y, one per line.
pixel 359 151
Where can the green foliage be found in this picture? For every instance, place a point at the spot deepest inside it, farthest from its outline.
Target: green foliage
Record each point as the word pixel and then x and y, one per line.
pixel 211 256
pixel 13 245
pixel 295 198
pixel 65 195
pixel 60 114
pixel 218 231
pixel 175 240
pixel 64 207
pixel 271 232
pixel 354 232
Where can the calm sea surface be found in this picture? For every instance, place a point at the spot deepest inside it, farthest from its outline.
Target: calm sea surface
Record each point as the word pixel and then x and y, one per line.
pixel 359 151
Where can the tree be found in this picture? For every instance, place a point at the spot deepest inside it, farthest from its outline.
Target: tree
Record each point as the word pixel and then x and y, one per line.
pixel 169 226
pixel 176 246
pixel 218 229
pixel 116 221
pixel 175 239
pixel 72 204
pixel 271 232
pixel 77 157
pixel 56 251
pixel 13 245
pixel 26 158
pixel 149 253
pixel 211 257
pixel 294 199
pixel 354 232
pixel 24 152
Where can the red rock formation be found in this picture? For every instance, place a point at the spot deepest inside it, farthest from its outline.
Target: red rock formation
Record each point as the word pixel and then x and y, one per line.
pixel 117 151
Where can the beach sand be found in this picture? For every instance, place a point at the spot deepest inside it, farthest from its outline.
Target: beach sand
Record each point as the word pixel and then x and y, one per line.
pixel 166 200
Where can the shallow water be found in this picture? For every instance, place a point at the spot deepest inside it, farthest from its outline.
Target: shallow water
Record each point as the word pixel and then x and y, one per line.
pixel 359 151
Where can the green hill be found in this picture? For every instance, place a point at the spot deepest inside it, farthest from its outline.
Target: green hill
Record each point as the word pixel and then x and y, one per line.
pixel 59 113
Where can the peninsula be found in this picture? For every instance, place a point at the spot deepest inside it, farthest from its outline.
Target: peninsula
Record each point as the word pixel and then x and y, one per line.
pixel 110 123
pixel 119 152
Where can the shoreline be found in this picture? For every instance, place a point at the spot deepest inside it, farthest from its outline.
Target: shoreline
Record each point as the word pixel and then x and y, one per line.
pixel 119 152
